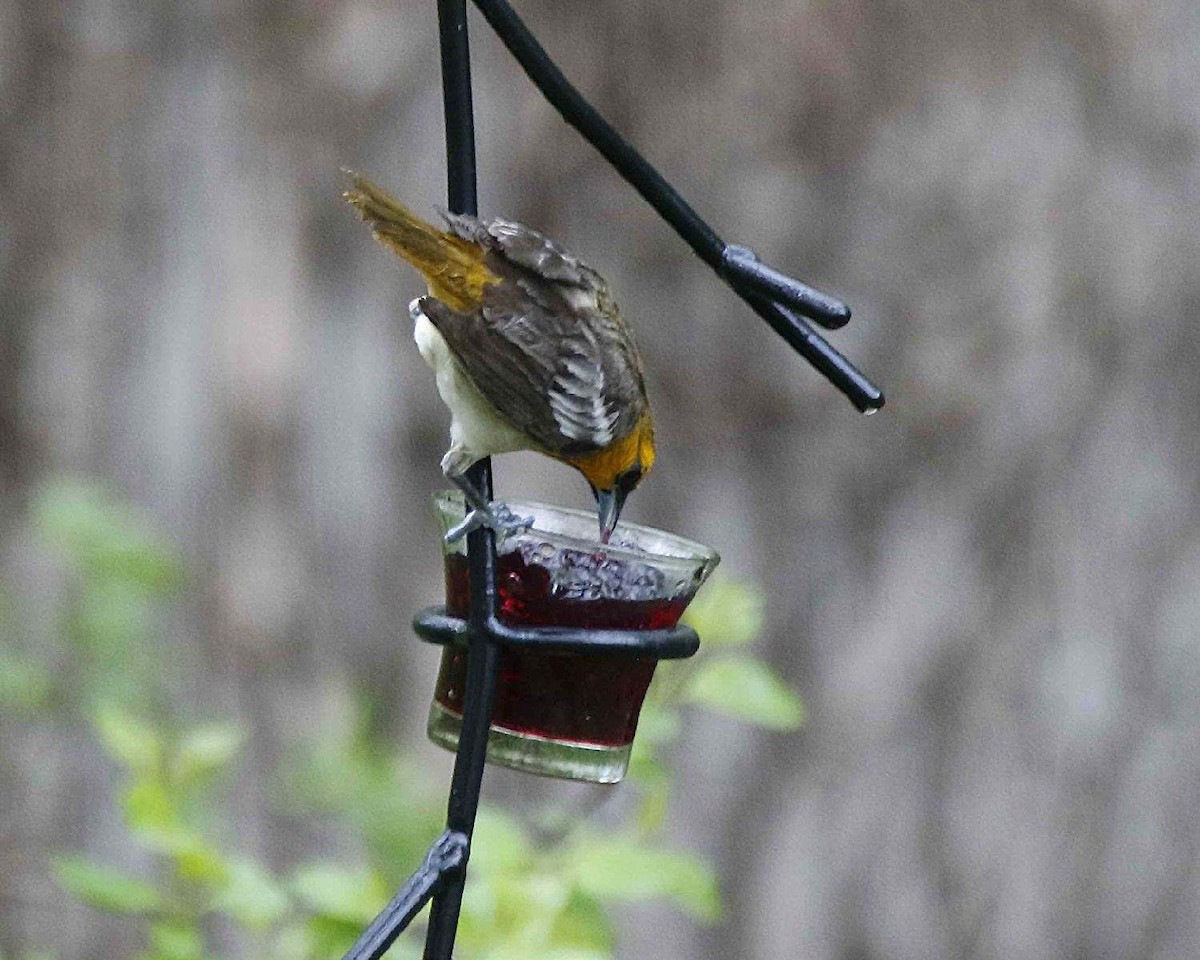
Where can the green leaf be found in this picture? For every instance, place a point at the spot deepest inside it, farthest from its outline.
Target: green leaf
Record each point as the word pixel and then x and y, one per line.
pixel 480 919
pixel 204 750
pixel 746 689
pixel 24 686
pixel 176 941
pixel 655 784
pixel 726 613
pixel 621 868
pixel 337 893
pixel 202 863
pixel 151 812
pixel 500 843
pixel 103 535
pixel 331 937
pixel 153 817
pixel 127 738
pixel 387 796
pixel 583 925
pixel 514 908
pixel 105 888
pixel 252 897
pixel 111 621
pixel 657 725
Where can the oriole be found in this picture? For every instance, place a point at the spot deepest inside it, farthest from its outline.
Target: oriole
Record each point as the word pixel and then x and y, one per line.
pixel 529 350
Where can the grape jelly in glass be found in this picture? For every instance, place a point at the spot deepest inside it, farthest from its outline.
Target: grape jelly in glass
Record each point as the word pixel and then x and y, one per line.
pixel 557 713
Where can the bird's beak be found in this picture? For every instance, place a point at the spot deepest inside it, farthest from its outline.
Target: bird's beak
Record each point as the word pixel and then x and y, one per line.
pixel 608 504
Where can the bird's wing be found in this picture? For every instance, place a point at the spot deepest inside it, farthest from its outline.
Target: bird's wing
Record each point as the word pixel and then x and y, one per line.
pixel 527 249
pixel 565 374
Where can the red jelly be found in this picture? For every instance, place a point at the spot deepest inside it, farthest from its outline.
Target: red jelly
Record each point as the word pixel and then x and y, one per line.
pixel 561 696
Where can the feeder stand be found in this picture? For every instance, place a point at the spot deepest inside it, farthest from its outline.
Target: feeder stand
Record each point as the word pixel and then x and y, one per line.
pixel 781 300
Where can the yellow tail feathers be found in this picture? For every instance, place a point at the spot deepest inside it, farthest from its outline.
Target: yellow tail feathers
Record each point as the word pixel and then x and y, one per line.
pixel 453 267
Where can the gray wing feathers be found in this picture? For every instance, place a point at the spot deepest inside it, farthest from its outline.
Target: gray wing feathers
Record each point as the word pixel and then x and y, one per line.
pixel 540 349
pixel 546 372
pixel 525 247
pixel 579 398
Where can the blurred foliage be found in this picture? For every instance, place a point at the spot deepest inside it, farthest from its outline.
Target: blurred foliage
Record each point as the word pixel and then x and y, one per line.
pixel 542 886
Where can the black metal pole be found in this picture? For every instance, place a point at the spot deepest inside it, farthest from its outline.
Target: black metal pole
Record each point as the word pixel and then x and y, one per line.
pixel 483 655
pixel 461 195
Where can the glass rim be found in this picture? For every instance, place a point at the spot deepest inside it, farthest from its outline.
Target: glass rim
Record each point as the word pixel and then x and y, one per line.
pixel 690 551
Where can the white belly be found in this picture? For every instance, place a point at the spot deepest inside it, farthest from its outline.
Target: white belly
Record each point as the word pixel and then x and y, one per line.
pixel 474 426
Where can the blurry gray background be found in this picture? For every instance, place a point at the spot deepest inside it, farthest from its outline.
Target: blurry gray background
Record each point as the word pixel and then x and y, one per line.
pixel 987 594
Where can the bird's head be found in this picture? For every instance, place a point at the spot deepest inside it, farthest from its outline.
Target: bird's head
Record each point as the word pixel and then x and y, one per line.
pixel 616 470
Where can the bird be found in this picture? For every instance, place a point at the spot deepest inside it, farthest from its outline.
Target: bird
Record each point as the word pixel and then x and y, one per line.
pixel 529 352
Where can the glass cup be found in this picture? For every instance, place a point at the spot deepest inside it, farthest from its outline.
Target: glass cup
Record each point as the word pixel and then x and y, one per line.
pixel 566 714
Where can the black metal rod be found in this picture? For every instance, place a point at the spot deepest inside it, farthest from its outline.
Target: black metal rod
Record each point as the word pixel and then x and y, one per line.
pixel 479 699
pixel 735 269
pixel 742 267
pixel 867 397
pixel 461 196
pixel 435 625
pixel 446 854
pixel 483 656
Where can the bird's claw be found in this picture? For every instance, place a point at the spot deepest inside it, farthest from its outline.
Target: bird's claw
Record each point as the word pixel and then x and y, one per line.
pixel 496 517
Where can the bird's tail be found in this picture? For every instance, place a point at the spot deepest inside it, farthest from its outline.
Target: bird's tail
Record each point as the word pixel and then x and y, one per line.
pixel 453 267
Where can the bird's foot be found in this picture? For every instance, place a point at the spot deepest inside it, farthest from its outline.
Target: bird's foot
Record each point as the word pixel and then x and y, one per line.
pixel 496 516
